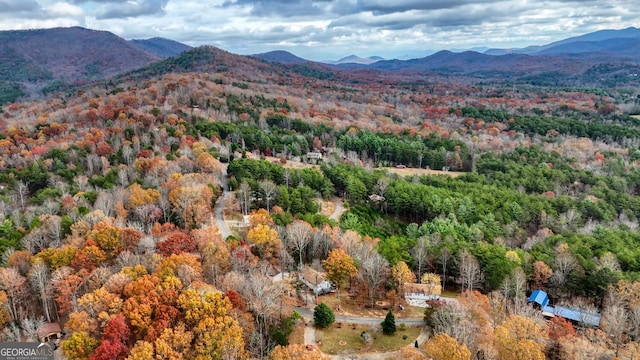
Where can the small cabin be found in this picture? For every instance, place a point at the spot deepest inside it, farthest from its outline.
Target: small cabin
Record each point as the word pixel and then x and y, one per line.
pixel 314 155
pixel 316 281
pixel 50 332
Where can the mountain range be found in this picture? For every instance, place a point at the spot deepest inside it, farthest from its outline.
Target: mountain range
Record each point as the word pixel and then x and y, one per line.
pixel 33 62
pixel 612 42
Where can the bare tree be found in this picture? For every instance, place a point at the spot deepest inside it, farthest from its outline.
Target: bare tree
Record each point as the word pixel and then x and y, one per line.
pixel 615 320
pixel 298 238
pixel 21 192
pixel 98 277
pixel 82 181
pixel 420 253
pixel 564 263
pixel 634 322
pixel 269 188
pixel 244 196
pixel 12 333
pixel 445 256
pixel 267 299
pixel 15 286
pixel 515 285
pixel 39 277
pixel 35 241
pixel 52 226
pixel 30 328
pixel 374 270
pixel 471 276
pixel 454 320
pixel 106 203
pixel 127 154
pixel 321 244
pixel 609 261
pixel 50 207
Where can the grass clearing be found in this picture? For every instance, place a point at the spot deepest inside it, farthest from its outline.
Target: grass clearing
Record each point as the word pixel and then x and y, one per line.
pixel 340 338
pixel 450 294
pixel 420 172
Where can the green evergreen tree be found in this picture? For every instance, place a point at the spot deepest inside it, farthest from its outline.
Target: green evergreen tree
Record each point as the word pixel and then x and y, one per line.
pixel 389 324
pixel 323 316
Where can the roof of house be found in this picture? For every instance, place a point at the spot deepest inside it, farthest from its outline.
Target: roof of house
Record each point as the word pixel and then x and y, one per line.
pixel 539 297
pixel 416 288
pixel 47 329
pixel 588 318
pixel 312 276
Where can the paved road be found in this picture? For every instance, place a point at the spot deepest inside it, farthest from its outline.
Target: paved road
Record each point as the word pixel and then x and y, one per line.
pixel 362 320
pixel 219 208
pixel 339 209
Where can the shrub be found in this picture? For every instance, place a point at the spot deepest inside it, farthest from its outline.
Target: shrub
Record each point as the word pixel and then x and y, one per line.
pixel 323 316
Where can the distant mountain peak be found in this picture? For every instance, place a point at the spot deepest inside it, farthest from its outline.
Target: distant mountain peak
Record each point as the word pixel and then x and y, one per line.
pixel 280 56
pixel 355 59
pixel 160 46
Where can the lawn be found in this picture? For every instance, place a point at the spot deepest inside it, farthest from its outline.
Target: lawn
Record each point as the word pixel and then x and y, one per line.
pixel 450 293
pixel 338 339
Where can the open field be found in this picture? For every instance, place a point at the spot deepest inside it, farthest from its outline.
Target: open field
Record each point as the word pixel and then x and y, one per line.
pixel 416 171
pixel 402 172
pixel 345 338
pixel 450 293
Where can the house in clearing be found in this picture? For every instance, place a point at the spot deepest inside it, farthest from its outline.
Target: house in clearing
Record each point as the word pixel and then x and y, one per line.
pixel 418 294
pixel 316 281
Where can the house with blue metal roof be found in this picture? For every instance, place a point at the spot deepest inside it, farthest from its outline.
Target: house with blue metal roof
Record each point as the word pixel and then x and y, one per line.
pixel 541 298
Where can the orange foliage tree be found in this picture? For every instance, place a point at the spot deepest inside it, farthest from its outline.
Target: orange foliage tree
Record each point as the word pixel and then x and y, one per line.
pixel 176 243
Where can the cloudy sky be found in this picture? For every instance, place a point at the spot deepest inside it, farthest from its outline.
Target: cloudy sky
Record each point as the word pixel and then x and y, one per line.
pixel 330 29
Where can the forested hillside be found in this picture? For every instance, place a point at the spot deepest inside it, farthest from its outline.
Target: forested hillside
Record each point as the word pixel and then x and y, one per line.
pixel 108 196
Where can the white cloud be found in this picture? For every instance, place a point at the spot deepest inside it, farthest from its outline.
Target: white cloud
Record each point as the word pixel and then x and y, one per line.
pixel 63 9
pixel 321 29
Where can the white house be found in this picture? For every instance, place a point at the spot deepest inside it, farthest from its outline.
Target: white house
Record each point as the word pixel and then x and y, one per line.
pixel 316 281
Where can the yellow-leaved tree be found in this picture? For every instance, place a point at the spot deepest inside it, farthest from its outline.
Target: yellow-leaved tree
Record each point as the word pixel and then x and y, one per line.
pixel 296 352
pixel 266 242
pixel 402 274
pixel 216 333
pixel 520 338
pixel 139 196
pixel 340 267
pixel 433 283
pixel 444 347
